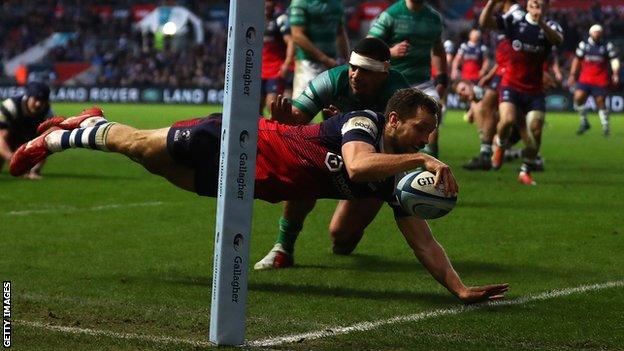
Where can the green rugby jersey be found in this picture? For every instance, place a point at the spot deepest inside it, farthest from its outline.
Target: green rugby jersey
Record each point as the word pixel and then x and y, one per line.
pixel 321 19
pixel 332 87
pixel 422 30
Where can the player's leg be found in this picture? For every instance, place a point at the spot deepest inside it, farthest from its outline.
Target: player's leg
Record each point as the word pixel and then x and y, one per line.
pixel 149 149
pixel 486 117
pixel 350 219
pixel 603 113
pixel 146 147
pixel 536 104
pixel 507 111
pixel 580 97
pixel 290 224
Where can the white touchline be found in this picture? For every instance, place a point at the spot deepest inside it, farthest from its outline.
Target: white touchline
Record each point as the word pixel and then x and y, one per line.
pixel 338 330
pixel 365 326
pixel 77 209
pixel 114 335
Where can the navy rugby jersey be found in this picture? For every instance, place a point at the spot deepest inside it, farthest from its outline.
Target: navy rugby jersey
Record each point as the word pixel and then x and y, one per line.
pixel 529 51
pixel 304 162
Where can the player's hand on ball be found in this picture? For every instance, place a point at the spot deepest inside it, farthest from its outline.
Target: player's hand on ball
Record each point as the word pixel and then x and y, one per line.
pixel 484 293
pixel 444 177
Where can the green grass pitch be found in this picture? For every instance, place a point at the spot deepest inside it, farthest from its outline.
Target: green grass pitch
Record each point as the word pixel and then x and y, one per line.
pixel 100 244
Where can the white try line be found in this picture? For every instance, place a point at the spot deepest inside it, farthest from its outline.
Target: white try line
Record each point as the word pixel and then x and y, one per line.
pixel 67 209
pixel 365 326
pixel 338 330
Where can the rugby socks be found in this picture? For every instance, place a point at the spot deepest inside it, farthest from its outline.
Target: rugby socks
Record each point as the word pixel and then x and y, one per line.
pixel 92 137
pixel 604 117
pixel 527 166
pixel 486 149
pixel 288 232
pixel 582 113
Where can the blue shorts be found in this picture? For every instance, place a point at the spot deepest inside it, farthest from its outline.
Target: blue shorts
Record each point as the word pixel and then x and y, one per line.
pixel 272 86
pixel 593 90
pixel 495 83
pixel 195 144
pixel 524 102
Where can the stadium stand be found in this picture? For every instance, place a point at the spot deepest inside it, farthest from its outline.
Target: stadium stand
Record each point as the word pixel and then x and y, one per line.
pixel 98 43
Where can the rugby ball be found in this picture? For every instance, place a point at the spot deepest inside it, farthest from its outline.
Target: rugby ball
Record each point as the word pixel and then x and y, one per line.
pixel 418 197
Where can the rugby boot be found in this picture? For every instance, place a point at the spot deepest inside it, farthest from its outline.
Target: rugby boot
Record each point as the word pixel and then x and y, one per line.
pixel 30 154
pixel 276 258
pixel 526 178
pixel 498 155
pixel 483 162
pixel 70 122
pixel 606 131
pixel 583 128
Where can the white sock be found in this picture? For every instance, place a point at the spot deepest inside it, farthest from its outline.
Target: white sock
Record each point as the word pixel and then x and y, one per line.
pixel 88 138
pixel 582 112
pixel 604 117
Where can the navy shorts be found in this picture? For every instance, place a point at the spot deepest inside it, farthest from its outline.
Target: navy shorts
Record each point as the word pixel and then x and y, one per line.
pixel 196 144
pixel 524 102
pixel 272 86
pixel 495 83
pixel 593 90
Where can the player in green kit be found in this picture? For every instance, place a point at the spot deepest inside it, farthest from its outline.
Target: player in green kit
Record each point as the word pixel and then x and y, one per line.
pixel 317 27
pixel 413 31
pixel 367 82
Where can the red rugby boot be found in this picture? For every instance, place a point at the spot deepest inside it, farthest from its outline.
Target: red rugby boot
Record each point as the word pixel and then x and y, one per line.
pixel 70 122
pixel 30 154
pixel 526 178
pixel 49 123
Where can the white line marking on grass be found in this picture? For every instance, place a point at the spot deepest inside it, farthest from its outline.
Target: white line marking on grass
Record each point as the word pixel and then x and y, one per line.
pixel 332 331
pixel 115 335
pixel 77 209
pixel 365 326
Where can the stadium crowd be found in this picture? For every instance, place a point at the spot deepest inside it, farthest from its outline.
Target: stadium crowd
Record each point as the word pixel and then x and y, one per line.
pixel 104 36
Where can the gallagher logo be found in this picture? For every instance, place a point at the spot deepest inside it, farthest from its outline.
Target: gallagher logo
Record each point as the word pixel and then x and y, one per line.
pixel 243 138
pixel 238 242
pixel 250 35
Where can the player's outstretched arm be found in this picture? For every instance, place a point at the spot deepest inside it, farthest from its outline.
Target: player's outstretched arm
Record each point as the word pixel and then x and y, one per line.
pixel 486 19
pixel 431 254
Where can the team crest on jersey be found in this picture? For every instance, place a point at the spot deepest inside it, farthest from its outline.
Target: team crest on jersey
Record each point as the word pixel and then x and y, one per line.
pixel 333 162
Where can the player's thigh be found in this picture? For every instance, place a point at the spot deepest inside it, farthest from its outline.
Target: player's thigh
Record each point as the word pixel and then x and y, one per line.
pixel 490 100
pixel 507 111
pixel 600 101
pixel 351 217
pixel 580 96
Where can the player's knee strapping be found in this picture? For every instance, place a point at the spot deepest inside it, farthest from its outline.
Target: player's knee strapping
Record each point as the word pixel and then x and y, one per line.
pixel 531 117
